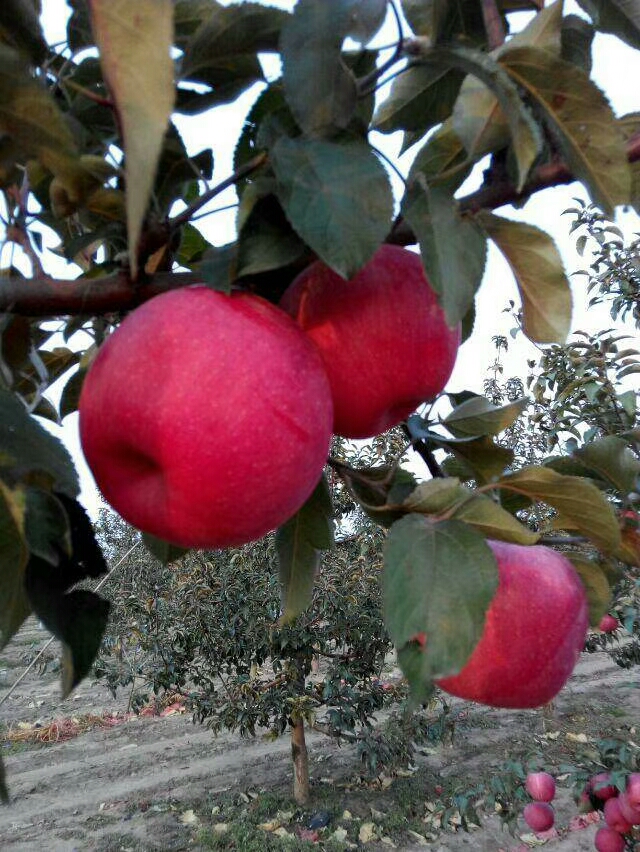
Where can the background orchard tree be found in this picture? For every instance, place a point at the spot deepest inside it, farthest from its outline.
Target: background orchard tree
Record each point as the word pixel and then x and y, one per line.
pixel 90 151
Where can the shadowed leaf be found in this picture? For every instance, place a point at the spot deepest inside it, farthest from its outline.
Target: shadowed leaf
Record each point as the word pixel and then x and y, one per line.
pixel 298 544
pixel 478 416
pixel 163 551
pixel 620 17
pixel 596 586
pixel 14 604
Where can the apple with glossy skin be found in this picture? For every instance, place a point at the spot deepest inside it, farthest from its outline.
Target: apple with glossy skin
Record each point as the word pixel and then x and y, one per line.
pixel 382 335
pixel 206 418
pixel 541 786
pixel 608 840
pixel 534 631
pixel 539 816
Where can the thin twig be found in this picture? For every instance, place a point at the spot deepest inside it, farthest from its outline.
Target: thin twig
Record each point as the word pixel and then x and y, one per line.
pixel 493 24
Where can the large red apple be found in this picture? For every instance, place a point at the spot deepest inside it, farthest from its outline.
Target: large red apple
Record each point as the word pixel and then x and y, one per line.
pixel 383 338
pixel 206 418
pixel 534 631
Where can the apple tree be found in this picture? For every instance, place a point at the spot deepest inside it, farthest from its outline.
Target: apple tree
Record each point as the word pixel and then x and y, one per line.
pixel 194 364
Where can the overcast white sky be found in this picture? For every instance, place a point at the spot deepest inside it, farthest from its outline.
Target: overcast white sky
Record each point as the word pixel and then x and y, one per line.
pixel 616 71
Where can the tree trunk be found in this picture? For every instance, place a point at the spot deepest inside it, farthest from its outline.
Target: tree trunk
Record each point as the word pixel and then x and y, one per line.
pixel 300 762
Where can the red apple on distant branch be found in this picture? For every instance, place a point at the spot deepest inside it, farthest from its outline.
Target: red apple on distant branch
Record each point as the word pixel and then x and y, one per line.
pixel 206 418
pixel 534 631
pixel 383 338
pixel 539 816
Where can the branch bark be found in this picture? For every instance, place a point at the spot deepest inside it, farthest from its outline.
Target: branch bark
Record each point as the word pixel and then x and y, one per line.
pixel 49 297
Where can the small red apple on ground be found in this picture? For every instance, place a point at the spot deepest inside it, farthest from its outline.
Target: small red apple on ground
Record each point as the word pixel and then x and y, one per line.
pixel 534 631
pixel 383 338
pixel 608 623
pixel 628 810
pixel 608 840
pixel 539 816
pixel 633 789
pixel 541 786
pixel 206 418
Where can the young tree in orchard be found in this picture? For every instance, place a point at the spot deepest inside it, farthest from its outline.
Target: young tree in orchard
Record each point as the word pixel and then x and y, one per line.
pixel 206 411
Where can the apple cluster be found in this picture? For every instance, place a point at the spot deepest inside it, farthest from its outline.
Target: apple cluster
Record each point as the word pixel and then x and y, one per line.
pixel 206 418
pixel 621 808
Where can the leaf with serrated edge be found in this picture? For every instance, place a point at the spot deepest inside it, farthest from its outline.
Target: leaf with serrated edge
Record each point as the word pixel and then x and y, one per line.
pixel 298 544
pixel 539 272
pixel 582 122
pixel 453 248
pixel 578 499
pixel 134 40
pixel 613 460
pixel 438 580
pixel 489 518
pixel 337 197
pixel 478 416
pixel 14 604
pixel 596 586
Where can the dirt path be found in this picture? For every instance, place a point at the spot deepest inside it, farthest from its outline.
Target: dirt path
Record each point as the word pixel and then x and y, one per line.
pixel 134 786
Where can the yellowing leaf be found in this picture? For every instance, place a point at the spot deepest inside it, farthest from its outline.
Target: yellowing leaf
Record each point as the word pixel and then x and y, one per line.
pixel 134 40
pixel 539 272
pixel 582 122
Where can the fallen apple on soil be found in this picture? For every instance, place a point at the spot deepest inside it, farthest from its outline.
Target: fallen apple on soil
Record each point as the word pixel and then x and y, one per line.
pixel 206 418
pixel 534 631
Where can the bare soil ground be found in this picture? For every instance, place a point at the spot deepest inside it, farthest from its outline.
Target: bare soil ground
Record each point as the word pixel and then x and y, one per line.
pixel 161 783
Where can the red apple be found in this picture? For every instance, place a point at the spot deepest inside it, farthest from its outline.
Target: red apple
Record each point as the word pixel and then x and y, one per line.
pixel 633 789
pixel 601 786
pixel 206 418
pixel 608 624
pixel 541 786
pixel 608 840
pixel 539 816
pixel 534 631
pixel 628 810
pixel 383 337
pixel 614 818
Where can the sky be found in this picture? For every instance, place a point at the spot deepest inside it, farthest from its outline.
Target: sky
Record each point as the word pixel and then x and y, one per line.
pixel 616 72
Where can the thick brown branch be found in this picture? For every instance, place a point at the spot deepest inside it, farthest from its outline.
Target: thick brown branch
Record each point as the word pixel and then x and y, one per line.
pixel 43 296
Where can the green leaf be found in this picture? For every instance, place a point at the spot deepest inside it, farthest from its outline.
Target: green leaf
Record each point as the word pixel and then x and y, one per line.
pixel 31 117
pixel 46 526
pixel 438 581
pixel 267 240
pixel 163 551
pixel 14 604
pixel 218 267
pixel 596 586
pixel 453 248
pixel 298 544
pixel 436 495
pixel 477 416
pixel 479 118
pixel 482 458
pixel 577 38
pixel 337 197
pixel 319 87
pixel 489 518
pixel 444 21
pixel 135 41
pixel 581 120
pixel 380 491
pixel 620 17
pixel 442 160
pixel 539 272
pixel 613 461
pixel 576 499
pixel 19 25
pixel 525 136
pixel 71 393
pixel 420 97
pixel 28 451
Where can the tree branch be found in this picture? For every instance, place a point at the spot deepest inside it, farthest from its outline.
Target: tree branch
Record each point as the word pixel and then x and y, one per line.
pixel 493 24
pixel 44 296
